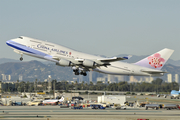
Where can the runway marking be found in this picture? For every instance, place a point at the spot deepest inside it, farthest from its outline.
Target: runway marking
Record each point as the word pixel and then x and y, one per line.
pixel 25 111
pixel 24 116
pixel 89 111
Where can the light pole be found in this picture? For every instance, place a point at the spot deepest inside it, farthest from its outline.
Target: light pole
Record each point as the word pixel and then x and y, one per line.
pixel 88 95
pixel 49 84
pixel 45 85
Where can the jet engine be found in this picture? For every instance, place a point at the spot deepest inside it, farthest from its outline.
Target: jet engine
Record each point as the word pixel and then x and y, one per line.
pixel 63 62
pixel 89 63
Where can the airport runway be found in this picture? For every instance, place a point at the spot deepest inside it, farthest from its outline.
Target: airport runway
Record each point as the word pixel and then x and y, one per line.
pixel 55 113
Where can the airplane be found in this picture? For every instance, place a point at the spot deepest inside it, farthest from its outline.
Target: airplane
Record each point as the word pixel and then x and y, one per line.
pixel 53 101
pixel 175 94
pixel 82 62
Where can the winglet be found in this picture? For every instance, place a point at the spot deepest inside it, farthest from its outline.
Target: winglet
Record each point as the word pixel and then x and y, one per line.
pixel 127 57
pixel 62 99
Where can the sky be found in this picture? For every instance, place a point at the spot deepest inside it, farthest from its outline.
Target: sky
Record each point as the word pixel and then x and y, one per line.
pixel 103 27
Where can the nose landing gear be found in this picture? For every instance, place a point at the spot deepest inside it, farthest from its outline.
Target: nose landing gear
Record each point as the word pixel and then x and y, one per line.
pixel 21 58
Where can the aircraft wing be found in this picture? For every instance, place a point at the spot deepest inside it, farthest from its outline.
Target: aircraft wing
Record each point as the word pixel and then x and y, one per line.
pixel 103 61
pixel 153 72
pixel 87 64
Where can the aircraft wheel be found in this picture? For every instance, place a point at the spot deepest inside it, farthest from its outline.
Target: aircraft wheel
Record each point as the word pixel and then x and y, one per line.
pixel 21 58
pixel 84 74
pixel 76 73
pixel 75 70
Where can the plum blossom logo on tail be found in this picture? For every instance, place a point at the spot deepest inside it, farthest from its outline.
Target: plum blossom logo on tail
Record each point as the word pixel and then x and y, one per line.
pixel 156 61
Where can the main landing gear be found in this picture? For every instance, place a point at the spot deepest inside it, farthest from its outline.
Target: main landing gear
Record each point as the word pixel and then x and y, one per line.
pixel 76 72
pixel 83 73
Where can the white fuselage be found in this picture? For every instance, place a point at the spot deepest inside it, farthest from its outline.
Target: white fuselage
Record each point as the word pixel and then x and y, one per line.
pixel 175 93
pixel 50 101
pixel 46 50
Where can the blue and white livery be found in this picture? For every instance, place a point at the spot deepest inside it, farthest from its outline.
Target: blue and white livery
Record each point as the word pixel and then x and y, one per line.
pixel 175 94
pixel 82 62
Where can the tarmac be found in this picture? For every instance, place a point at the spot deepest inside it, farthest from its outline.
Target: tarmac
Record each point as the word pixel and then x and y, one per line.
pixel 57 113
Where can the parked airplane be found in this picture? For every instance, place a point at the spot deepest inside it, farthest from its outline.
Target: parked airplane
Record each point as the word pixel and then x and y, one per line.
pixel 175 94
pixel 53 101
pixel 82 62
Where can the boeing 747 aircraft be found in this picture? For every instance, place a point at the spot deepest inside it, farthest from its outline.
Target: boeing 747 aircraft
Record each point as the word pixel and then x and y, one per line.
pixel 82 62
pixel 175 94
pixel 53 101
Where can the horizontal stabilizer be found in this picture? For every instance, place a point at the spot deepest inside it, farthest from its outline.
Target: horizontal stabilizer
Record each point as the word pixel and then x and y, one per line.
pixel 153 72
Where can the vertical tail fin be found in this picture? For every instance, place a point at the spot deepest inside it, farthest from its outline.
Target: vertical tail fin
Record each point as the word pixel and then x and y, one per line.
pixel 157 60
pixel 62 99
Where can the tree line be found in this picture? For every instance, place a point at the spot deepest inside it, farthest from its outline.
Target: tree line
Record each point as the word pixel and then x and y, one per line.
pixel 156 85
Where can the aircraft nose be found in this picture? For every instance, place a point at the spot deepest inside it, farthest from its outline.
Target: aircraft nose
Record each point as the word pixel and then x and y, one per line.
pixel 8 42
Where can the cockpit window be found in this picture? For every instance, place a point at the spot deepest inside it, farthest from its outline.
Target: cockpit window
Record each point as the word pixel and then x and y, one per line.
pixel 21 37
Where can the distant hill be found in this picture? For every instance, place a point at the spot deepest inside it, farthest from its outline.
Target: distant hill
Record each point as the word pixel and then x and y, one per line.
pixel 35 70
pixel 174 62
pixel 32 70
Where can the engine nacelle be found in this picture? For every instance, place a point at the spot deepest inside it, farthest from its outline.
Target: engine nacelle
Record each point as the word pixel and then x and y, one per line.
pixel 63 62
pixel 89 63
